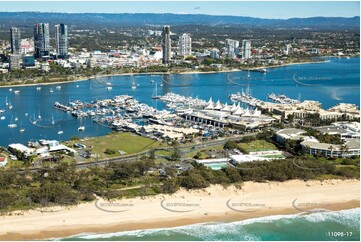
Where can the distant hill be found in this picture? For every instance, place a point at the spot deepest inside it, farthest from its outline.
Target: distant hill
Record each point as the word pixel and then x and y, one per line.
pixel 28 18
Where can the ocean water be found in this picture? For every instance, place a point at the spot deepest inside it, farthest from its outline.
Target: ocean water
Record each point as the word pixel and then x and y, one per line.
pixel 309 227
pixel 330 83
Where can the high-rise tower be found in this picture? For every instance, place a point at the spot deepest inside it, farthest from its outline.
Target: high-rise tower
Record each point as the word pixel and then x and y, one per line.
pixel 166 44
pixel 15 41
pixel 61 40
pixel 246 49
pixel 185 45
pixel 41 39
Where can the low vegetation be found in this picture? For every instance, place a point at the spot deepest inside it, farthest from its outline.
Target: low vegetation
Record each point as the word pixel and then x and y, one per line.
pixel 64 185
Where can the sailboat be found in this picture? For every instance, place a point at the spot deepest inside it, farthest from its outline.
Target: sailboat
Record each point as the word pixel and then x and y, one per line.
pixel 134 85
pixel 22 130
pixel 34 122
pixel 155 93
pixel 81 128
pixel 52 120
pixel 39 116
pixel 6 101
pixel 11 124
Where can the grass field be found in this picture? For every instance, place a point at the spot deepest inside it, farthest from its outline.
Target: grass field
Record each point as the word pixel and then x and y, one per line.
pixel 128 142
pixel 257 145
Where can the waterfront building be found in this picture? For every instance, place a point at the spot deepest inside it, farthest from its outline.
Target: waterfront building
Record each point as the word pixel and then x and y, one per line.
pixel 287 49
pixel 27 46
pixel 232 48
pixel 45 67
pixel 246 49
pixel 28 61
pixel 342 129
pixel 15 41
pixel 61 40
pixel 166 44
pixel 41 39
pixel 14 62
pixel 185 45
pixel 214 53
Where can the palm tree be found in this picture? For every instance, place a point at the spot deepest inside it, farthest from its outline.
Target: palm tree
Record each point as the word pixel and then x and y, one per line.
pixel 331 149
pixel 343 149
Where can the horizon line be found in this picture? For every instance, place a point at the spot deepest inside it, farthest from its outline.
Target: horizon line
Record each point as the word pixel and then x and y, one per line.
pixel 349 17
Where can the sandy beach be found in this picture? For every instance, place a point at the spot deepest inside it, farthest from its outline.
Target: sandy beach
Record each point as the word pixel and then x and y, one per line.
pixel 214 204
pixel 153 73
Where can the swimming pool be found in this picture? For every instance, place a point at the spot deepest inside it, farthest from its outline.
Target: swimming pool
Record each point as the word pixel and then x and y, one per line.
pixel 216 166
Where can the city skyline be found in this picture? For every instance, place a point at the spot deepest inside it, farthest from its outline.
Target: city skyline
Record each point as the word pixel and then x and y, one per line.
pixel 274 10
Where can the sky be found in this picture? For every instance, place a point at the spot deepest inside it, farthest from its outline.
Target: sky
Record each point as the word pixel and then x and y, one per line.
pixel 260 9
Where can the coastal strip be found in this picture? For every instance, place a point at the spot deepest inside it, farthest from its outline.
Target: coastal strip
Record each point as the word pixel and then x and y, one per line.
pixel 80 79
pixel 213 204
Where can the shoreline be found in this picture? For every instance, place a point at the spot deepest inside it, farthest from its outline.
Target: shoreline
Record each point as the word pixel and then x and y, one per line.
pixel 149 213
pixel 80 79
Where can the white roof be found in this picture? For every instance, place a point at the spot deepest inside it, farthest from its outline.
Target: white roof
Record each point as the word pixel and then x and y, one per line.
pixel 247 113
pixel 22 148
pixel 218 105
pixel 210 106
pixel 226 108
pixel 234 107
pixel 61 147
pixel 246 158
pixel 239 111
pixel 256 113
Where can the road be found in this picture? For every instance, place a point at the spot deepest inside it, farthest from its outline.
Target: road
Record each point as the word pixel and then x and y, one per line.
pixel 134 157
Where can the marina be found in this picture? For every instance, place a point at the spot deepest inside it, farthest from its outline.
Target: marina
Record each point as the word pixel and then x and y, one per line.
pixel 281 98
pixel 174 93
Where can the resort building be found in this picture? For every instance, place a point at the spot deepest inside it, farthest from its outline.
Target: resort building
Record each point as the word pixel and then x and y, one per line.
pixel 350 147
pixel 289 134
pixel 342 129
